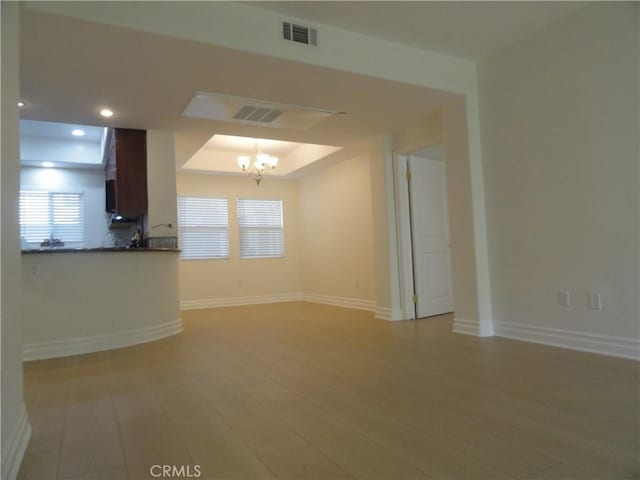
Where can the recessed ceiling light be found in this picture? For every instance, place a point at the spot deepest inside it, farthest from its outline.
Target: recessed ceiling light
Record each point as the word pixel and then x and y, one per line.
pixel 77 132
pixel 21 104
pixel 48 164
pixel 105 112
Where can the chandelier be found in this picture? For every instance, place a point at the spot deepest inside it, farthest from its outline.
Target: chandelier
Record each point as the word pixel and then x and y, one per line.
pixel 255 166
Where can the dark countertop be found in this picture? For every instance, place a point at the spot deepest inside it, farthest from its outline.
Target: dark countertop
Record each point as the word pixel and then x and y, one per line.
pixel 98 249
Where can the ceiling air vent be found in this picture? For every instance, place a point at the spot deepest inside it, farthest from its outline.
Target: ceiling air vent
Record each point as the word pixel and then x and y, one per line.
pixel 252 113
pixel 294 32
pixel 227 108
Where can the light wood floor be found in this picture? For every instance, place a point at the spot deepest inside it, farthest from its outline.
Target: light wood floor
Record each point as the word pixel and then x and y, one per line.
pixel 301 391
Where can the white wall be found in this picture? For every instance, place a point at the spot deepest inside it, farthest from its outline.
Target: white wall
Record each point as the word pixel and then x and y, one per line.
pixel 560 136
pixel 336 231
pixel 15 428
pixel 161 185
pixel 91 182
pixel 385 245
pixel 215 282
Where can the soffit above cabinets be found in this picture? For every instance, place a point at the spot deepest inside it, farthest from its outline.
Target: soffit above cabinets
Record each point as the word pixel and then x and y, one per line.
pixel 54 144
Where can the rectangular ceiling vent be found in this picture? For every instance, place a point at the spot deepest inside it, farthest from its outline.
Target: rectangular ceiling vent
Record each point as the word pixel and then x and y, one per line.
pixel 294 32
pixel 227 108
pixel 253 113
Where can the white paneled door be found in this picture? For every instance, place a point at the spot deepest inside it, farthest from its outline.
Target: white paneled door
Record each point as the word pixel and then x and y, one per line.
pixel 431 241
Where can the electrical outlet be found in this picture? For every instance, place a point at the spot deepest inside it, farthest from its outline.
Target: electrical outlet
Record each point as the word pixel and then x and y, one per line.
pixel 564 298
pixel 594 300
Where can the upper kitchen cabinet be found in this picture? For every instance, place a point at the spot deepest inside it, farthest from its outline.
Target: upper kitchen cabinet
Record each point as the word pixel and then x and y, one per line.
pixel 126 172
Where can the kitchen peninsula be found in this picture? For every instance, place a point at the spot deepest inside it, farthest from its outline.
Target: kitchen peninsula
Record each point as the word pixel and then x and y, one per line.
pixel 98 249
pixel 101 295
pixel 97 299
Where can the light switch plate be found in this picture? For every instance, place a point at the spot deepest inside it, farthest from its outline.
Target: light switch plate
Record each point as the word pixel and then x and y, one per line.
pixel 594 300
pixel 564 298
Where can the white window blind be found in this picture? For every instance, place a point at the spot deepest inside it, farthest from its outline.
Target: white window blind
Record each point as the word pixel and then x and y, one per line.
pixel 203 225
pixel 260 223
pixel 51 214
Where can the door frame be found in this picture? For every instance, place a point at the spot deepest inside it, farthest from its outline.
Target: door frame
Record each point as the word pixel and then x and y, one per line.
pixel 405 237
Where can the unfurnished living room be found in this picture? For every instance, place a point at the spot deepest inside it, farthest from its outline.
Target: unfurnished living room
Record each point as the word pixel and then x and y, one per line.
pixel 320 240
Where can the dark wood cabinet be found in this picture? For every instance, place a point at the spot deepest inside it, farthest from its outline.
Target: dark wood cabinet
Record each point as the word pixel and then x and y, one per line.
pixel 126 172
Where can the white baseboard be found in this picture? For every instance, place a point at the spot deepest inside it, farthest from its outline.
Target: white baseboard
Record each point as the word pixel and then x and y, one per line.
pixel 80 345
pixel 15 445
pixel 388 313
pixel 239 301
pixel 472 327
pixel 466 327
pixel 355 303
pixel 586 342
pixel 384 313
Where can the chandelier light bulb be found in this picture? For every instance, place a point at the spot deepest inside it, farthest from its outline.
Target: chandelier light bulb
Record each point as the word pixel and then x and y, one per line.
pixel 272 162
pixel 244 161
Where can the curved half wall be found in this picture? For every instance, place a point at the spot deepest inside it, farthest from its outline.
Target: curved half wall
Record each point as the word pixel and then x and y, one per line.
pixel 83 302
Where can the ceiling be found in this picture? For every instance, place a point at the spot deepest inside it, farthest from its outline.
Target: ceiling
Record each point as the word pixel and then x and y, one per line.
pixel 70 69
pixel 248 145
pixel 468 30
pixel 148 80
pixel 60 131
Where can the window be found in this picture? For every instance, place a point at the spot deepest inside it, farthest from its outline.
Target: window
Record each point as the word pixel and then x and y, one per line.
pixel 203 226
pixel 260 224
pixel 45 215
